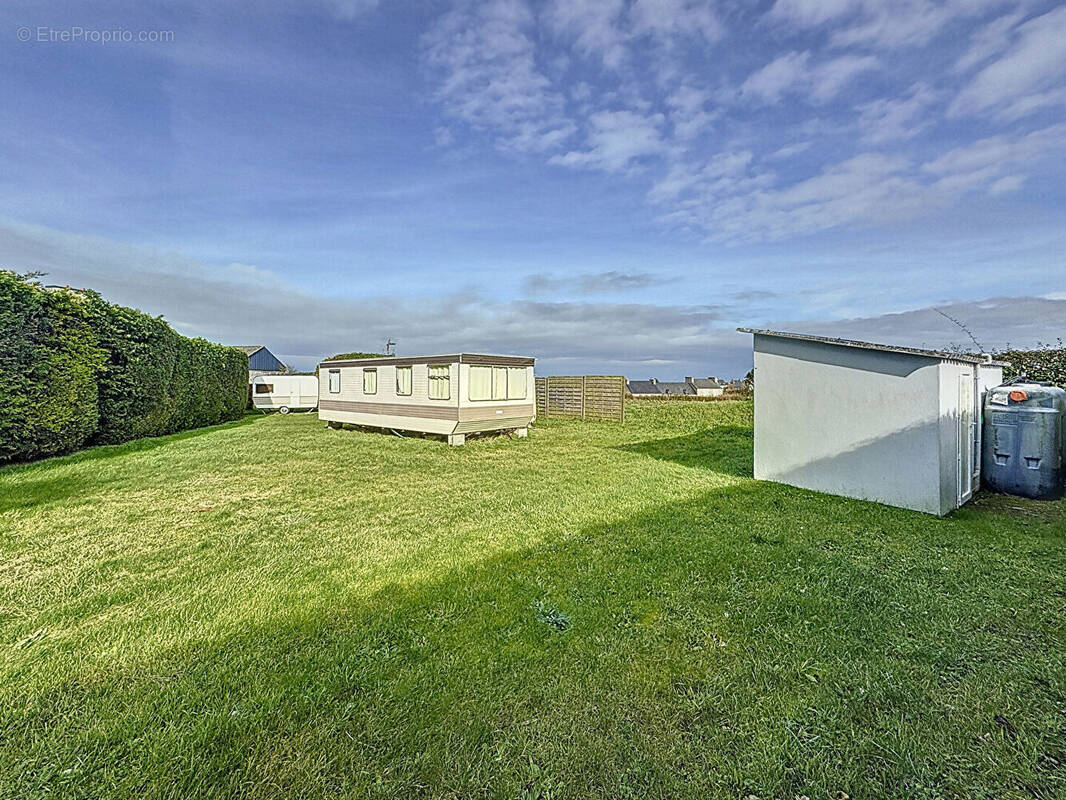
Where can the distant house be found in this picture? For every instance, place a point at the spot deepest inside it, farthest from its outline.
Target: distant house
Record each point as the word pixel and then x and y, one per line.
pixel 648 388
pixel 260 361
pixel 675 388
pixel 706 387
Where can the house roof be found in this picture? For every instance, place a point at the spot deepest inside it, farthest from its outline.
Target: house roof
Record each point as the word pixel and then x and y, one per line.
pixel 887 348
pixel 642 387
pixel 677 387
pixel 706 383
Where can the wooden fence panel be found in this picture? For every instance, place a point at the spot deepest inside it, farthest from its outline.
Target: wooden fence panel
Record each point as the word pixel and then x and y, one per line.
pixel 589 397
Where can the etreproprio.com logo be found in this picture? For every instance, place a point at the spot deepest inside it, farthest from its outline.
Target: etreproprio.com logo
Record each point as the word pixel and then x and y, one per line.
pixel 78 34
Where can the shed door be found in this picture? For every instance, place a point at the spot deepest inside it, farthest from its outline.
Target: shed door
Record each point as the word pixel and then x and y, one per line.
pixel 967 435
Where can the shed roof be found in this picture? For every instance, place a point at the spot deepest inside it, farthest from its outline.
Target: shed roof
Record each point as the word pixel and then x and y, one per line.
pixel 888 348
pixel 250 349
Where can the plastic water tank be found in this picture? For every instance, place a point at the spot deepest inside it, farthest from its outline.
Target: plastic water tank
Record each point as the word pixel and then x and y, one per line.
pixel 1024 447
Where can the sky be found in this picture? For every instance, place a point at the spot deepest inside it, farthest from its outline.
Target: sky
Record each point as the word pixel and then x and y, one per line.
pixel 611 186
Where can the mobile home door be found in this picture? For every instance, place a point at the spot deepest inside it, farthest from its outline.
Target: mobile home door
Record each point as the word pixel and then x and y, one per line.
pixel 294 392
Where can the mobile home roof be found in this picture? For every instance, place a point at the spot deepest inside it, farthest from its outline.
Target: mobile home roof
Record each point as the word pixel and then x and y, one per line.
pixel 888 348
pixel 461 358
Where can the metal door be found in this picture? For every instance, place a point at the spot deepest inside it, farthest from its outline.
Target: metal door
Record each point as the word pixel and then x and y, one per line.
pixel 967 435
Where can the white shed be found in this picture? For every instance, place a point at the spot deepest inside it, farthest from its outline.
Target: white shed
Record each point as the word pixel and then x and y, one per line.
pixel 895 425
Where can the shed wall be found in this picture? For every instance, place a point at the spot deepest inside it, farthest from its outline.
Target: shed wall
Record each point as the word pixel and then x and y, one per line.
pixel 852 422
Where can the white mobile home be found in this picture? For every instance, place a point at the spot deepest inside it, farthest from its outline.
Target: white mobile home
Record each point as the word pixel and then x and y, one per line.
pixel 451 395
pixel 896 425
pixel 284 393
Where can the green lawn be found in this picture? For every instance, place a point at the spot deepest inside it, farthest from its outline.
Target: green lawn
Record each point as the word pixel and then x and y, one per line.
pixel 273 609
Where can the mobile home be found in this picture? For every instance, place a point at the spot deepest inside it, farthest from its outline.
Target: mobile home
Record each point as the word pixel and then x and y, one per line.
pixel 450 395
pixel 897 425
pixel 285 393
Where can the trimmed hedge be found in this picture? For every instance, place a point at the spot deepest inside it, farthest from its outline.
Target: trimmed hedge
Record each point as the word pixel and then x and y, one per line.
pixel 48 366
pixel 77 370
pixel 1046 363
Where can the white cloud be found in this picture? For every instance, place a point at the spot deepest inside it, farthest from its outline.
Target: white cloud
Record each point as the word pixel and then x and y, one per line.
pixel 616 139
pixel 998 322
pixel 792 72
pixel 350 9
pixel 877 23
pixel 489 75
pixel 593 26
pixel 809 13
pixel 676 17
pixel 241 304
pixel 1027 77
pixel 719 165
pixel 896 119
pixel 987 41
pixel 735 199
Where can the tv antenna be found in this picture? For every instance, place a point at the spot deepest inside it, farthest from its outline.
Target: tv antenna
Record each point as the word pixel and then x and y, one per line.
pixel 390 347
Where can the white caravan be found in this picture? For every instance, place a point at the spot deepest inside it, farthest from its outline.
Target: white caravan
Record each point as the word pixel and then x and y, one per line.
pixel 285 393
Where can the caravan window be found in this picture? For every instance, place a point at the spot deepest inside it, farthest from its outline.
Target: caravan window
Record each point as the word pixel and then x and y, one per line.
pixel 440 383
pixel 403 380
pixel 516 383
pixel 264 388
pixel 481 383
pixel 370 381
pixel 334 381
pixel 497 383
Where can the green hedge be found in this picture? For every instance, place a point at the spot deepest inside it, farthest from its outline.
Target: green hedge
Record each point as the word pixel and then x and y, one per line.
pixel 77 370
pixel 48 367
pixel 1047 363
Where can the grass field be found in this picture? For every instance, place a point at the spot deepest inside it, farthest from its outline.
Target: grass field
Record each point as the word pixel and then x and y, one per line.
pixel 273 609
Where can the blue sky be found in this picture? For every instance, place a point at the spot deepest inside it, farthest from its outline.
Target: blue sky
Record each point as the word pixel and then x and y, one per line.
pixel 611 186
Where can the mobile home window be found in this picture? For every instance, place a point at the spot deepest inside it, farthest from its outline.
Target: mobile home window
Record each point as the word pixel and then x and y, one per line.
pixel 481 383
pixel 516 383
pixel 370 381
pixel 497 383
pixel 334 381
pixel 440 383
pixel 403 380
pixel 264 388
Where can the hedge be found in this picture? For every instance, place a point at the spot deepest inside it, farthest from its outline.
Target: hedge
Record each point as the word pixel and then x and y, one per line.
pixel 1046 363
pixel 77 370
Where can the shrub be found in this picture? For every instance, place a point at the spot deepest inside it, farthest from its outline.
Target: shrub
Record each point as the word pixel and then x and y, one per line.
pixel 156 381
pixel 75 369
pixel 48 367
pixel 1046 363
pixel 354 356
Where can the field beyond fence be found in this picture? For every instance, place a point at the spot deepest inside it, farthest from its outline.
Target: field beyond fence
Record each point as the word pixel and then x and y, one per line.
pixel 588 397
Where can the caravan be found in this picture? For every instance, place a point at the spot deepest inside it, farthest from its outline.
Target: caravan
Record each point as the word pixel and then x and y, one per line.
pixel 285 393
